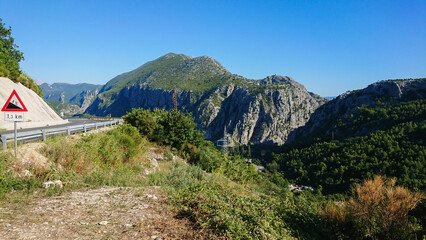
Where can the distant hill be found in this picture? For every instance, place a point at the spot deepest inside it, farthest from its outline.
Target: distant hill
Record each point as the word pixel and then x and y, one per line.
pixel 248 111
pixel 64 92
pixel 69 99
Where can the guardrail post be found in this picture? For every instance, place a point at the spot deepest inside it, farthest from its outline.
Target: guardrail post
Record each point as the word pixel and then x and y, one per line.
pixel 85 128
pixel 4 142
pixel 104 124
pixel 96 126
pixel 68 131
pixel 44 135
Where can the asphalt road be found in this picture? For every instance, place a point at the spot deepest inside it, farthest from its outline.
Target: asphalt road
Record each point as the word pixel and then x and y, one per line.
pixel 72 122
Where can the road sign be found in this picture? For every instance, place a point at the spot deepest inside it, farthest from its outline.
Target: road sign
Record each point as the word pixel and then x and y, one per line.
pixel 14 104
pixel 14 116
pixel 14 108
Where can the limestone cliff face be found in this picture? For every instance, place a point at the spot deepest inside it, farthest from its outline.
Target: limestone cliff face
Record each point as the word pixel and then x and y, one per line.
pixel 264 116
pixel 392 91
pixel 252 112
pixel 69 99
pixel 84 99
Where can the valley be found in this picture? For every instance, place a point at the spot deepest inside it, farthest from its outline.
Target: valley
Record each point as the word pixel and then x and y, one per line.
pixel 292 164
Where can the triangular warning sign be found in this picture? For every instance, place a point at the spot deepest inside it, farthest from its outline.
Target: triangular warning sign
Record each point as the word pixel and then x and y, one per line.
pixel 14 104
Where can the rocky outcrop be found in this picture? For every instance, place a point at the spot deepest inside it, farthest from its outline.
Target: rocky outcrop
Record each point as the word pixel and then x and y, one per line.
pixel 252 117
pixel 84 99
pixel 391 91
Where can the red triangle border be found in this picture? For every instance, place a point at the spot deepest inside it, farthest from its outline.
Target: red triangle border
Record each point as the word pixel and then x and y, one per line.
pixel 24 109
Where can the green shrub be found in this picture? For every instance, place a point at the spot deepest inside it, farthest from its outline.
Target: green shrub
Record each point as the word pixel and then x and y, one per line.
pixel 28 82
pixel 9 182
pixel 222 206
pixel 168 156
pixel 3 71
pixel 170 128
pixel 143 120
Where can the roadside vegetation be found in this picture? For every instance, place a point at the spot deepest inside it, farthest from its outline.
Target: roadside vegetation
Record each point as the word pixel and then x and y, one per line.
pixel 220 192
pixel 111 158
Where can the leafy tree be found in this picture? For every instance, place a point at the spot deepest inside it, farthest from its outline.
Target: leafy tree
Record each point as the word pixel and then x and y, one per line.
pixel 142 120
pixel 171 128
pixel 10 56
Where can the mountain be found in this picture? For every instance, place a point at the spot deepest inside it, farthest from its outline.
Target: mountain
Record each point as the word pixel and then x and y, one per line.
pixel 378 130
pixel 64 92
pixel 338 117
pixel 330 98
pixel 248 111
pixel 69 99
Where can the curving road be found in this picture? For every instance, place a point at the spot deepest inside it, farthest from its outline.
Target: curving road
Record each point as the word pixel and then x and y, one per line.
pixel 72 122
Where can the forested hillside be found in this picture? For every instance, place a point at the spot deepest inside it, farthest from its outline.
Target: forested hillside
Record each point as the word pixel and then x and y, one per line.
pixel 385 137
pixel 358 136
pixel 336 165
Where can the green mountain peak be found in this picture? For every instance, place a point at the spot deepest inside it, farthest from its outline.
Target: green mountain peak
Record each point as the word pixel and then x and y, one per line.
pixel 184 72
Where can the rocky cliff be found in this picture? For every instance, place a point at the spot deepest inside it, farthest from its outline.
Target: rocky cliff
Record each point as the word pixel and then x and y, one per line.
pixel 249 111
pixel 84 99
pixel 69 99
pixel 323 120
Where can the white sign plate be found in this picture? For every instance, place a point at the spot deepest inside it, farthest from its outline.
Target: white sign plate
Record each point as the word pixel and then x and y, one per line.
pixel 14 116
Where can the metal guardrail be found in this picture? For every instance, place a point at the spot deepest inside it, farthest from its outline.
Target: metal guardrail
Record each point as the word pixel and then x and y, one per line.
pixel 42 134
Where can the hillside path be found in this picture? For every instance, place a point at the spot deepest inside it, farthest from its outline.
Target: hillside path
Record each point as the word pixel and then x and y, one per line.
pixel 104 213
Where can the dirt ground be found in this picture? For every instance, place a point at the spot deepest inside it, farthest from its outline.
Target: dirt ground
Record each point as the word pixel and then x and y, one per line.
pixel 104 213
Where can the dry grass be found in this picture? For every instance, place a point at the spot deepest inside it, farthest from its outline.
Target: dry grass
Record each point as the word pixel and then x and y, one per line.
pixel 29 156
pixel 379 209
pixel 379 204
pixel 335 212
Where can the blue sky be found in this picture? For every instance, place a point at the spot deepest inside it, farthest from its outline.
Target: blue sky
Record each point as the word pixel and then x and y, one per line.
pixel 329 46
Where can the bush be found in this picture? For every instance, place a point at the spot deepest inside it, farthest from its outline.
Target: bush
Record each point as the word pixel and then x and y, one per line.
pixel 222 206
pixel 382 209
pixel 9 182
pixel 28 82
pixel 143 120
pixel 170 128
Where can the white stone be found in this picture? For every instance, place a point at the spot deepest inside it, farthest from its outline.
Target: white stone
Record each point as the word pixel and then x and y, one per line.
pixel 153 197
pixel 52 183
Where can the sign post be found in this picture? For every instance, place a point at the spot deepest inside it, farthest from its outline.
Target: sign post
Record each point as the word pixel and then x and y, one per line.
pixel 14 110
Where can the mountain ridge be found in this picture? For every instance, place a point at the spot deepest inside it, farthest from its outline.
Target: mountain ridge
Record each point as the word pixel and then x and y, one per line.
pixel 67 98
pixel 326 118
pixel 250 111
